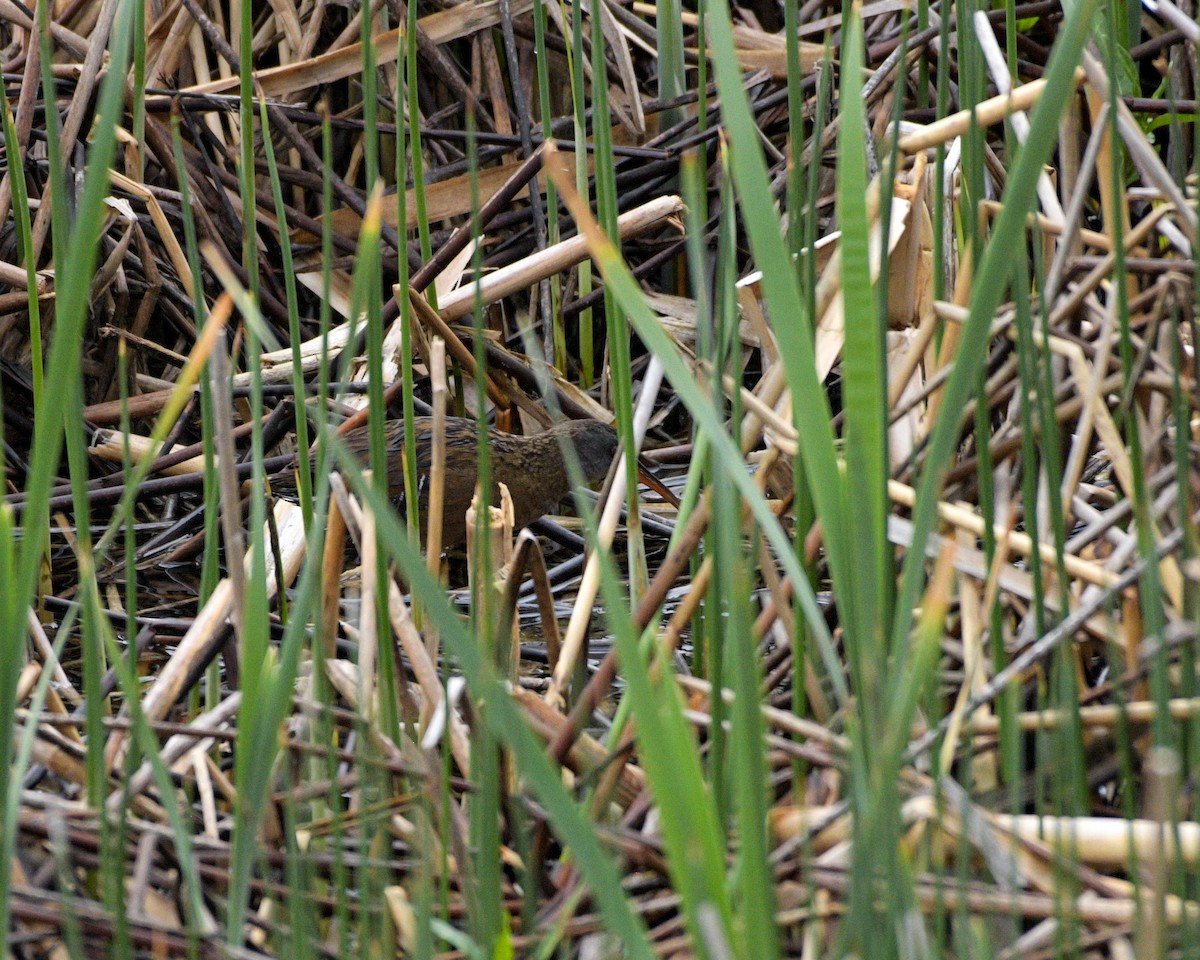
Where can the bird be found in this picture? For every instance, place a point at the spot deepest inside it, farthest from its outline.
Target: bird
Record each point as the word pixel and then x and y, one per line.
pixel 532 467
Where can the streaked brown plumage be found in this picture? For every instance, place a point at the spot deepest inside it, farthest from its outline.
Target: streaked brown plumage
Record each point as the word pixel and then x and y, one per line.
pixel 532 467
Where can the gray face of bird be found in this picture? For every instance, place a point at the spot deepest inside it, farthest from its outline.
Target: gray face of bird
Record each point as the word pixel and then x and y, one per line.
pixel 595 444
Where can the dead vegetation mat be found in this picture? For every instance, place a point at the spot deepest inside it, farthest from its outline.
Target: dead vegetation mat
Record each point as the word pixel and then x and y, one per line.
pixel 308 63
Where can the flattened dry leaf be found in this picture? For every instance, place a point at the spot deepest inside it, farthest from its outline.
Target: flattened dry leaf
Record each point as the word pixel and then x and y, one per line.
pixel 450 278
pixel 678 316
pixel 293 79
pixel 443 200
pixel 910 268
pixel 831 329
pixel 759 50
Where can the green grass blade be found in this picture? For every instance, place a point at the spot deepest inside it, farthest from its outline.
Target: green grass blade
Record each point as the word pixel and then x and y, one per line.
pixel 864 389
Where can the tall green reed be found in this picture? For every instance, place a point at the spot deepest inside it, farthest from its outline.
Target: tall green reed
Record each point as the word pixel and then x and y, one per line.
pixel 75 241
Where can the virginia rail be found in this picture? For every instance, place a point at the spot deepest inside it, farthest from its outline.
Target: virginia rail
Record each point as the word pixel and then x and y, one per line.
pixel 532 467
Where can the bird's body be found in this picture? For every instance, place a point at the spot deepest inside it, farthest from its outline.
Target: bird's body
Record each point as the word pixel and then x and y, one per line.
pixel 531 467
